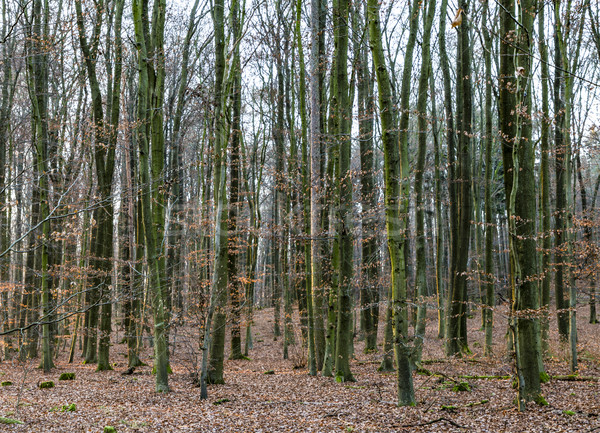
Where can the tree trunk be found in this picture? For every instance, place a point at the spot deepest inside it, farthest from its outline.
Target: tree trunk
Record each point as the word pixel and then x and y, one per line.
pixel 457 308
pixel 344 317
pixel 421 289
pixel 149 131
pixel 488 310
pixel 395 191
pixel 544 184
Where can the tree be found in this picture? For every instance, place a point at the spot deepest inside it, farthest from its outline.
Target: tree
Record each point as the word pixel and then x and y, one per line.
pixel 421 289
pixel 37 80
pixel 344 179
pixel 150 46
pixel 456 326
pixel 394 170
pixel 106 134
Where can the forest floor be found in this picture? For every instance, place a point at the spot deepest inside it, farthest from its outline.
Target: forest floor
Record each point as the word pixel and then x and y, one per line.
pixel 290 400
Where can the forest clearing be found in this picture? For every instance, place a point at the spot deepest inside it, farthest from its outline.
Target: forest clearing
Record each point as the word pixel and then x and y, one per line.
pixel 289 400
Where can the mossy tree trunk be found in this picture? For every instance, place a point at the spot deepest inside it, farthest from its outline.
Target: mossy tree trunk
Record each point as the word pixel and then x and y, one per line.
pixel 421 289
pixel 395 189
pixel 341 102
pixel 311 181
pixel 546 243
pixel 451 146
pixel 456 342
pixel 149 38
pixel 488 310
pixel 37 83
pixel 369 290
pixel 568 34
pixel 214 339
pixel 235 283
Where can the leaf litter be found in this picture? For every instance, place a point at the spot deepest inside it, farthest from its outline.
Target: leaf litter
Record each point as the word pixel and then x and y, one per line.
pixel 291 401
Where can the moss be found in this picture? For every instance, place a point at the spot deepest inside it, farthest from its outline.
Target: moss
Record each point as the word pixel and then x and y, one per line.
pixel 110 429
pixel 67 376
pixel 68 408
pixel 6 383
pixel 104 367
pixel 449 408
pixel 477 403
pixel 568 412
pixel 544 377
pixel 541 400
pixel 48 384
pixel 221 401
pixel 461 387
pixel 169 369
pixel 4 420
pixel 269 372
pixel 498 377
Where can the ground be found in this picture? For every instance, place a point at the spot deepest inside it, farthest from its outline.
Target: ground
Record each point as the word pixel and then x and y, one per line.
pixel 290 400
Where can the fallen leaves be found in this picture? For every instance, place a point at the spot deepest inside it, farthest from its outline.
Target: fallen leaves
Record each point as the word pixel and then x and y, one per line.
pixel 290 400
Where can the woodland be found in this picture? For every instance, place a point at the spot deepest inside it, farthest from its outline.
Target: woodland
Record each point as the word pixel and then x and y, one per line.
pixel 278 215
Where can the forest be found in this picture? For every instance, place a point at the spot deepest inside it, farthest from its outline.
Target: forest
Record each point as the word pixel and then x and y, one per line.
pixel 287 215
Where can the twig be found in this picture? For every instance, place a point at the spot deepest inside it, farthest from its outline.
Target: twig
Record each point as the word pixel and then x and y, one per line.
pixel 574 378
pixel 435 421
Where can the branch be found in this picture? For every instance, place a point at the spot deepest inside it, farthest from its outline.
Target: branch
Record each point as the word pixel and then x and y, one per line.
pixel 435 421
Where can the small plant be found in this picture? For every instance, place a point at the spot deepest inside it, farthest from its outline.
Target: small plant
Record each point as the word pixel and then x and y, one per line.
pixel 7 383
pixel 461 387
pixel 68 408
pixel 269 372
pixel 48 384
pixel 221 401
pixel 544 377
pixel 568 412
pixel 67 376
pixel 541 400
pixel 4 420
pixel 110 429
pixel 349 428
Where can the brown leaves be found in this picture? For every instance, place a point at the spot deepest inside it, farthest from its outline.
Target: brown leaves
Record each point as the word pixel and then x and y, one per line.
pixel 458 18
pixel 290 400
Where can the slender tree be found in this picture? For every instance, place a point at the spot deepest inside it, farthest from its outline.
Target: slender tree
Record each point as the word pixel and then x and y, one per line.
pixel 394 170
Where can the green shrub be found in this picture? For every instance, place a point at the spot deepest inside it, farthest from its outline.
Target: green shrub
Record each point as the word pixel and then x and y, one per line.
pixel 67 376
pixel 6 383
pixel 48 384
